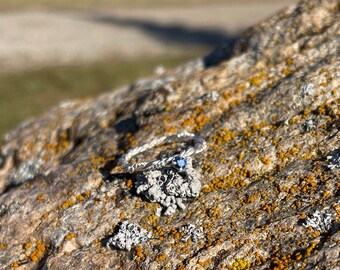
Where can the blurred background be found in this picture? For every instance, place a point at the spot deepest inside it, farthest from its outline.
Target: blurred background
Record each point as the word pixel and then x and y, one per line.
pixel 51 50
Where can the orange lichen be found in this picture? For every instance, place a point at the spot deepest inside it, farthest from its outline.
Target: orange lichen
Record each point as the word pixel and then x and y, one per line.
pixel 70 236
pixel 161 258
pixel 298 256
pixel 196 120
pixel 129 183
pixel 41 247
pixel 215 211
pixel 27 245
pixel 205 264
pixel 97 162
pixel 80 197
pixel 223 136
pixel 240 156
pixel 152 219
pixel 41 197
pixel 44 216
pixel 316 234
pixel 265 160
pixel 38 252
pixel 15 264
pixel 241 264
pixel 87 193
pixel 290 61
pixel 139 253
pixel 251 199
pixel 208 167
pixel 287 71
pixel 175 234
pixel 255 81
pixel 68 203
pixel 310 248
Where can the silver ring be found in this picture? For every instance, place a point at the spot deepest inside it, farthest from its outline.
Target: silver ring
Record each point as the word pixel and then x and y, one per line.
pixel 170 180
pixel 179 160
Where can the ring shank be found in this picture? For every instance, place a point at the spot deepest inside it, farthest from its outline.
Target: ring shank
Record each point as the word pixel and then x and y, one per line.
pixel 199 146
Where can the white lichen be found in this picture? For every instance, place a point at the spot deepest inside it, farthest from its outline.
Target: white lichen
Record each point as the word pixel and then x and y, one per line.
pixel 190 231
pixel 158 211
pixel 213 96
pixel 169 187
pixel 128 235
pixel 309 125
pixel 333 159
pixel 307 90
pixel 26 171
pixel 319 221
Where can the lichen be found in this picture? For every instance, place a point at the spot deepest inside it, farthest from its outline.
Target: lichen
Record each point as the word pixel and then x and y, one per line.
pixel 190 231
pixel 169 187
pixel 333 159
pixel 319 221
pixel 128 235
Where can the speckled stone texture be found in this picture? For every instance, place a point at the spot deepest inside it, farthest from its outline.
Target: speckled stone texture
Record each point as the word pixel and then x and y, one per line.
pixel 264 172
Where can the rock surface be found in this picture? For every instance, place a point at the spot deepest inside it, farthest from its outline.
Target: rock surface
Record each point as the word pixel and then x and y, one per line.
pixel 270 115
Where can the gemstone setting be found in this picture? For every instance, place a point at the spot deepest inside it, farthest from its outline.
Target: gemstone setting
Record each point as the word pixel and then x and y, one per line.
pixel 180 163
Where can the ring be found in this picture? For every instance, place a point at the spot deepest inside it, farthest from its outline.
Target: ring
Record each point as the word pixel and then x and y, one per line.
pixel 179 160
pixel 169 180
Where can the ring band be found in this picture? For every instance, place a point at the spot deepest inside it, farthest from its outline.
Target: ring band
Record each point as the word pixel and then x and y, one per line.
pixel 199 146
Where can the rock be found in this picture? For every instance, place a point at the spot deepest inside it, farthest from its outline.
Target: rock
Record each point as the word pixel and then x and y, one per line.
pixel 264 174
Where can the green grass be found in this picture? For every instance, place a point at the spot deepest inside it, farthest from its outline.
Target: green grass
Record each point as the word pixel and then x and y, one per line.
pixel 28 94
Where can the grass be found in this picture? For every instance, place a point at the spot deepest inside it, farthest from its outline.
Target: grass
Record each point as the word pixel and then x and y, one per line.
pixel 28 94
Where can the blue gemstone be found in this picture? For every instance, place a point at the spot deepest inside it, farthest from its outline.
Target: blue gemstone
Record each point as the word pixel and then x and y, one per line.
pixel 180 163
